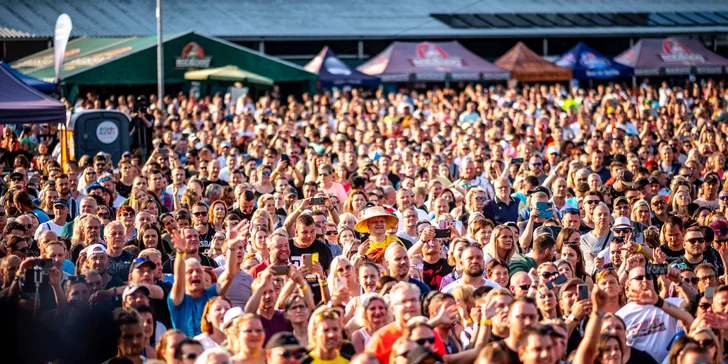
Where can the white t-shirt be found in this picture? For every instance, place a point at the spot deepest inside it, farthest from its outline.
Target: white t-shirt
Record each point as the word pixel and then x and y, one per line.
pixel 486 283
pixel 649 328
pixel 50 225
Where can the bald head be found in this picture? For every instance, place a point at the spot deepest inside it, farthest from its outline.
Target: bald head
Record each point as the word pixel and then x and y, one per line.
pixel 46 237
pixel 520 283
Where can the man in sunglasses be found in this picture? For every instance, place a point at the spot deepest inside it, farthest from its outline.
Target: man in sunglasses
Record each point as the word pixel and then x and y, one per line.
pixel 650 321
pixel 697 251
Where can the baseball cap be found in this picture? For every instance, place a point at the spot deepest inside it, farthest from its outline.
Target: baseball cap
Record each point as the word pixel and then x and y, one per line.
pixel 570 283
pixel 130 290
pixel 642 182
pixel 627 178
pixel 422 355
pixel 284 340
pixel 94 249
pixel 95 185
pixel 620 199
pixel 621 222
pixel 553 149
pixel 711 178
pixel 540 189
pixel 16 174
pixel 60 201
pixel 141 261
pixel 230 315
pixel 225 144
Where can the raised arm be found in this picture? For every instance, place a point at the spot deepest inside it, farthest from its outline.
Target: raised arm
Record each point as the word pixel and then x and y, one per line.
pixel 587 349
pixel 290 222
pixel 178 287
pixel 263 279
pixel 235 239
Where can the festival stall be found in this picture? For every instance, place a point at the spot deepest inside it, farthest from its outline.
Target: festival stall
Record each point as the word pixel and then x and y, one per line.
pixel 672 57
pixel 527 66
pixel 586 63
pixel 21 104
pixel 431 62
pixel 333 71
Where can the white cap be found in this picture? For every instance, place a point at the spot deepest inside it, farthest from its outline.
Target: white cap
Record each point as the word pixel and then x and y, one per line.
pixel 95 249
pixel 621 222
pixel 129 290
pixel 231 315
pixel 553 149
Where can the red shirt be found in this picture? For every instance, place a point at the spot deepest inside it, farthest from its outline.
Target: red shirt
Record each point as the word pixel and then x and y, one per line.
pixel 380 345
pixel 258 268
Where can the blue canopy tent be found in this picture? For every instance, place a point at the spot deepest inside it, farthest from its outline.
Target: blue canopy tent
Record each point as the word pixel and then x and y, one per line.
pixel 42 86
pixel 333 71
pixel 586 63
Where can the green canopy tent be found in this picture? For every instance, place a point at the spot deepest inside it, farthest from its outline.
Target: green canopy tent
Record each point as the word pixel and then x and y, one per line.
pixel 133 61
pixel 228 73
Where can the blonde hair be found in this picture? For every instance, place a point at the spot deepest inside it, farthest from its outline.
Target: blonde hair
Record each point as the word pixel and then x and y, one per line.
pixel 364 302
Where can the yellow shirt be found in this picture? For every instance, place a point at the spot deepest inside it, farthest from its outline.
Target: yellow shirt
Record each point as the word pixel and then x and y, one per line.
pixel 338 360
pixel 376 249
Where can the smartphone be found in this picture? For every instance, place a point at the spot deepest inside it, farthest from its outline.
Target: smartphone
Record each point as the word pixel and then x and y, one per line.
pixel 560 279
pixel 656 269
pixel 545 209
pixel 307 262
pixel 443 233
pixel 583 292
pixel 709 292
pixel 280 270
pixel 318 201
pixel 516 160
pixel 285 158
pixel 341 283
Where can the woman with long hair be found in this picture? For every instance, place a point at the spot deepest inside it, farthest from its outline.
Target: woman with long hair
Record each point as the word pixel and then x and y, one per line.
pixel 641 212
pixel 297 312
pixel 342 277
pixel 547 303
pixel 706 338
pixel 357 198
pixel 151 237
pixel 217 212
pixel 258 237
pixel 502 245
pixel 568 248
pixel 679 204
pixel 148 327
pixel 372 314
pixel 267 202
pixel 212 335
pixel 250 340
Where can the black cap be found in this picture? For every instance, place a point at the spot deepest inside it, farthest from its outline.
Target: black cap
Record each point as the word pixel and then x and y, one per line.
pixel 540 189
pixel 423 355
pixel 284 340
pixel 16 174
pixel 652 180
pixel 642 182
pixel 711 178
pixel 626 176
pixel 62 202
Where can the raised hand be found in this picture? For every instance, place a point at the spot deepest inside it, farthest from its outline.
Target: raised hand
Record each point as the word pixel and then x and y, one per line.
pixel 659 256
pixel 178 242
pixel 238 233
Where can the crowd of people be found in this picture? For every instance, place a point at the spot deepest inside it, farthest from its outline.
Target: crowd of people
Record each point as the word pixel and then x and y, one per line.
pixel 537 224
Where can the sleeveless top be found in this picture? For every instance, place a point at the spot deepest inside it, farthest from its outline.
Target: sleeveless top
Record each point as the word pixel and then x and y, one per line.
pixel 365 334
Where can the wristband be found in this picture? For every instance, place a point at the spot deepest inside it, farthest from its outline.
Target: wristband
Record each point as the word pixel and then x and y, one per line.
pixel 660 302
pixel 304 287
pixel 486 322
pixel 182 255
pixel 323 284
pixel 571 318
pixel 639 248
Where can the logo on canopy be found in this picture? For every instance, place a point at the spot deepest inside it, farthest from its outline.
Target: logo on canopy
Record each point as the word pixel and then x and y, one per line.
pixel 336 67
pixel 566 61
pixel 430 55
pixel 591 60
pixel 674 51
pixel 192 57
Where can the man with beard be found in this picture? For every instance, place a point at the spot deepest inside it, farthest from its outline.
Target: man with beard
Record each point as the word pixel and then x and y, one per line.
pixel 157 183
pixel 434 265
pixel 246 204
pixel 98 260
pixel 397 263
pixel 650 321
pixel 326 340
pixel 697 251
pixel 189 296
pixel 472 261
pixel 119 259
pixel 129 336
pixel 201 222
pixel 63 185
pixel 522 314
pixel 191 250
pixel 87 206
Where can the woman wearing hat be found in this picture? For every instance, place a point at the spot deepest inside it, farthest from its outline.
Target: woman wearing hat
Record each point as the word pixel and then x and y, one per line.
pixel 375 221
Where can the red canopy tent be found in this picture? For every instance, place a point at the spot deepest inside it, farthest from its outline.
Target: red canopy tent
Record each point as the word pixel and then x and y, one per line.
pixel 670 56
pixel 527 66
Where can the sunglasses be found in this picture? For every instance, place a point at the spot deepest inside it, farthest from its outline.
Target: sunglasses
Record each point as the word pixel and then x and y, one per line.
pixel 189 356
pixel 707 343
pixel 200 213
pixel 704 306
pixel 642 277
pixel 693 280
pixel 331 232
pixel 104 179
pixel 298 354
pixel 547 275
pixel 324 174
pixel 91 172
pixel 696 240
pixel 2 213
pixel 327 315
pixel 622 231
pixel 537 164
pixel 16 179
pixel 592 202
pixel 481 199
pixel 571 210
pixel 265 173
pixel 723 198
pixel 127 214
pixel 423 341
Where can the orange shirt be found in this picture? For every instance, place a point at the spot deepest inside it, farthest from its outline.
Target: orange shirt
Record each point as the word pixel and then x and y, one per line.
pixel 380 345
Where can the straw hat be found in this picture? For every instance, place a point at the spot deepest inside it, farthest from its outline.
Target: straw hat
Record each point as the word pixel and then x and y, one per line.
pixel 375 211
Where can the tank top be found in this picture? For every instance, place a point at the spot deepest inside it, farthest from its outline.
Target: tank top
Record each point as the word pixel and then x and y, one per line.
pixel 365 334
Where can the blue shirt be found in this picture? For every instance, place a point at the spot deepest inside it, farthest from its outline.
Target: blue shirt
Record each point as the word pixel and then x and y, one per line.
pixel 42 217
pixel 424 289
pixel 500 212
pixel 187 316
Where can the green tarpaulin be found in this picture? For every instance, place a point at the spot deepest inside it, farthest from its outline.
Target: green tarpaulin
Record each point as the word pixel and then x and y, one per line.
pixel 133 61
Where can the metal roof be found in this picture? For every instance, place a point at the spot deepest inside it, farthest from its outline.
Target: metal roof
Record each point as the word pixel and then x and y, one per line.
pixel 326 19
pixel 12 33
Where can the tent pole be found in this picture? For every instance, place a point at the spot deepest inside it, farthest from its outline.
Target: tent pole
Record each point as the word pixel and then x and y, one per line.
pixel 160 59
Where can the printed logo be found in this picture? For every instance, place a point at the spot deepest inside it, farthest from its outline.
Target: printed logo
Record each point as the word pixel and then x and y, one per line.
pixel 193 56
pixel 674 51
pixel 430 55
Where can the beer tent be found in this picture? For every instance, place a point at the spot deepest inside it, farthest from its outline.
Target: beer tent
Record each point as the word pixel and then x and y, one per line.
pixel 35 83
pixel 21 104
pixel 527 66
pixel 672 57
pixel 431 62
pixel 333 71
pixel 586 63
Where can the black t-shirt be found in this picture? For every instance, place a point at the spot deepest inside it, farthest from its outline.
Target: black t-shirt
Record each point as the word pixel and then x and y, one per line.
pixel 511 353
pixel 123 190
pixel 637 356
pixel 206 239
pixel 317 246
pixel 432 273
pixel 119 266
pixel 159 306
pixel 672 255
